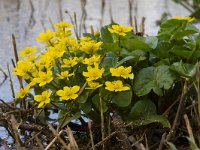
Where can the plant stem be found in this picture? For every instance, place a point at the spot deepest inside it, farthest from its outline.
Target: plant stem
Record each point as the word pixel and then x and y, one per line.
pixel 102 119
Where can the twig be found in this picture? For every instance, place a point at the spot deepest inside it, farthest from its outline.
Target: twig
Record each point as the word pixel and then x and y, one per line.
pixel 102 119
pixel 11 84
pixel 9 106
pixel 72 21
pixel 39 142
pixel 72 141
pixel 102 11
pixel 51 143
pixel 162 141
pixel 178 114
pixel 187 122
pixel 136 26
pixel 91 136
pixel 171 106
pixel 110 12
pixel 106 139
pixel 60 10
pixel 142 26
pixel 57 135
pixel 5 76
pixel 83 17
pixel 130 4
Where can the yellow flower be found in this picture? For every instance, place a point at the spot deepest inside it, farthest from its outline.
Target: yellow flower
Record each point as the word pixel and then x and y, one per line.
pixel 119 29
pixel 186 18
pixel 67 42
pixel 62 25
pixel 63 33
pixel 68 93
pixel 23 91
pixel 90 47
pixel 32 58
pixel 85 39
pixel 116 86
pixel 42 99
pixel 22 68
pixel 64 75
pixel 122 72
pixel 93 85
pixel 43 78
pixel 93 73
pixel 71 62
pixel 45 61
pixel 91 60
pixel 45 36
pixel 28 51
pixel 56 52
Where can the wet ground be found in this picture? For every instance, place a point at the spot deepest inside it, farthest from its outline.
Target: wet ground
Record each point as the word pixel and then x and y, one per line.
pixel 24 19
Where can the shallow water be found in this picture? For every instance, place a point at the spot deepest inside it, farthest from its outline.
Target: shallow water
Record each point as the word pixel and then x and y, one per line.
pixel 23 19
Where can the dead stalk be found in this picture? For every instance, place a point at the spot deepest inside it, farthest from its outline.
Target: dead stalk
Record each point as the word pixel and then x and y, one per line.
pixel 91 136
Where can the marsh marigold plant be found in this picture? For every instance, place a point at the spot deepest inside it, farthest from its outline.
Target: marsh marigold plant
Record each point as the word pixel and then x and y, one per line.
pixel 113 72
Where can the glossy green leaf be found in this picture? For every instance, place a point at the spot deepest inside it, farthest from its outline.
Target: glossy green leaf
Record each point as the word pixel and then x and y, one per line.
pixel 171 146
pixel 153 78
pixel 106 35
pixel 184 69
pixel 193 144
pixel 142 109
pixel 69 118
pixel 170 28
pixel 122 99
pixel 152 41
pixel 136 44
pixel 96 101
pixel 181 51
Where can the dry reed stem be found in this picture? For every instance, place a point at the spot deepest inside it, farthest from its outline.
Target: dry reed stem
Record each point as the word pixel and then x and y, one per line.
pixel 72 141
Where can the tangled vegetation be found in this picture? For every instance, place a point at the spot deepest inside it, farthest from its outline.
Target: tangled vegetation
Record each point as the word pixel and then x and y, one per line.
pixel 115 89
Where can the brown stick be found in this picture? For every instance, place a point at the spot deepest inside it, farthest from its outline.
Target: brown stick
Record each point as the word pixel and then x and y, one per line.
pixel 178 115
pixel 130 4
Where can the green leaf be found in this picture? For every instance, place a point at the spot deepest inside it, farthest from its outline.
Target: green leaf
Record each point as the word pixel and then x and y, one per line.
pixel 122 99
pixel 159 119
pixel 182 51
pixel 142 109
pixel 170 28
pixel 68 119
pixel 162 49
pixel 109 61
pixel 86 107
pixel 153 78
pixel 136 55
pixel 106 35
pixel 96 101
pixel 153 119
pixel 152 41
pixel 124 60
pixel 171 146
pixel 189 30
pixel 184 69
pixel 89 35
pixel 136 44
pixel 111 47
pixel 83 97
pixel 193 144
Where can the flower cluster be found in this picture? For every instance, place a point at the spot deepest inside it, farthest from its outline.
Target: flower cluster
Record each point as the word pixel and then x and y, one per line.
pixel 67 64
